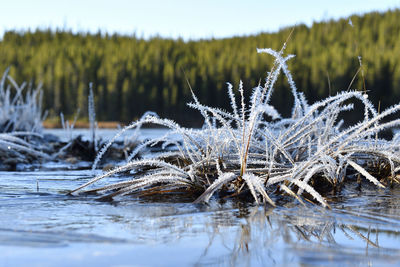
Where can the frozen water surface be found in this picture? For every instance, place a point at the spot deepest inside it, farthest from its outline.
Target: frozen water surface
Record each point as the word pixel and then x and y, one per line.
pixel 42 226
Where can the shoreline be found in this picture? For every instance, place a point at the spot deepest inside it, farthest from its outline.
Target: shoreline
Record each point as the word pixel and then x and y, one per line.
pixel 84 124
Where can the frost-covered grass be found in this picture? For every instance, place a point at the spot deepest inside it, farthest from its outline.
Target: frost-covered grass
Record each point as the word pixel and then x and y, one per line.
pixel 20 106
pixel 253 151
pixel 22 141
pixel 20 122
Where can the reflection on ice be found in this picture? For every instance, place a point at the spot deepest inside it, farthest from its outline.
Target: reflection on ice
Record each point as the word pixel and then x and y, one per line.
pixel 363 227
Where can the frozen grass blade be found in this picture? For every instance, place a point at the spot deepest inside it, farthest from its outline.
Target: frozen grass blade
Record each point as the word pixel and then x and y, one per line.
pixel 365 173
pixel 222 180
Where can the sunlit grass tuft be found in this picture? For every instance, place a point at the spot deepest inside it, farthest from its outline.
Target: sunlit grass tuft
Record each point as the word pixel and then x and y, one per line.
pixel 252 151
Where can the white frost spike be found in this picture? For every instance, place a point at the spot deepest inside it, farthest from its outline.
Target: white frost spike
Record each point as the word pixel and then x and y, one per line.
pixel 271 111
pixel 360 60
pixel 92 116
pixel 364 173
pixel 256 186
pixel 222 179
pixel 233 100
pixel 309 189
pixel 282 62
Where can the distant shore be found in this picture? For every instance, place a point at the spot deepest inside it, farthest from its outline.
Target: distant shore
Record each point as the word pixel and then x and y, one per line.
pixel 84 124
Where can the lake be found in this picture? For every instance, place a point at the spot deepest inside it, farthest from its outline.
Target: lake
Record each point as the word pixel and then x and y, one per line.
pixel 42 226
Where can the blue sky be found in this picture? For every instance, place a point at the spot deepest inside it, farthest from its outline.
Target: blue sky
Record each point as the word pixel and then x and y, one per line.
pixel 179 18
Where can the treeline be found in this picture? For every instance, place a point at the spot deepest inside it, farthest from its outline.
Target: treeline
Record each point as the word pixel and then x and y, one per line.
pixel 132 75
